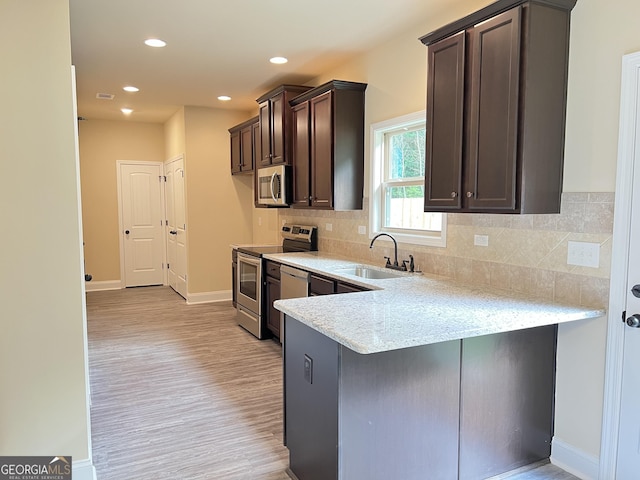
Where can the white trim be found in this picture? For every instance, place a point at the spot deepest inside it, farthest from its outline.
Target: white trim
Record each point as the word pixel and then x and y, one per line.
pixel 627 138
pixel 93 286
pixel 119 164
pixel 574 461
pixel 83 470
pixel 85 339
pixel 209 297
pixel 377 131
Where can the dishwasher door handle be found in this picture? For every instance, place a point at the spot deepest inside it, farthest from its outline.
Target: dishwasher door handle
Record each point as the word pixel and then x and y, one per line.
pixel 294 272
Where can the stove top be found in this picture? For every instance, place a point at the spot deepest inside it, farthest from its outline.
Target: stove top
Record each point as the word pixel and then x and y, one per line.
pixel 297 238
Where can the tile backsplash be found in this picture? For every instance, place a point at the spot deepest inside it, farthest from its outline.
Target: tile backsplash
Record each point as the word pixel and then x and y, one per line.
pixel 526 253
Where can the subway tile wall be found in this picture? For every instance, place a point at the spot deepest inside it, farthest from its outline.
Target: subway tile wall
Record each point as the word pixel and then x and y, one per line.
pixel 526 253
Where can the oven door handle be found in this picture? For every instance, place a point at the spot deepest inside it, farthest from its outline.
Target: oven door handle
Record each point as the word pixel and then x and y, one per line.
pixel 249 259
pixel 273 195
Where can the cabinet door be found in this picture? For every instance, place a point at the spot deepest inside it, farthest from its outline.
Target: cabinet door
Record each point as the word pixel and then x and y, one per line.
pixel 342 287
pixel 278 111
pixel 493 125
pixel 257 151
pixel 322 151
pixel 246 149
pixel 445 109
pixel 265 133
pixel 273 315
pixel 236 160
pixel 300 160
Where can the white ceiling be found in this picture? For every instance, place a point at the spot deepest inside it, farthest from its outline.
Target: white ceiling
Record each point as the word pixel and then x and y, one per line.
pixel 218 47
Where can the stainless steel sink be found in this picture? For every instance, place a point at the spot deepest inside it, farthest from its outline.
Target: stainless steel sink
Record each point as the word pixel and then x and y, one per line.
pixel 366 272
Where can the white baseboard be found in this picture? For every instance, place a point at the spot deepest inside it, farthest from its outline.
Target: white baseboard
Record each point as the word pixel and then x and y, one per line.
pixel 209 297
pixel 83 470
pixel 104 285
pixel 574 461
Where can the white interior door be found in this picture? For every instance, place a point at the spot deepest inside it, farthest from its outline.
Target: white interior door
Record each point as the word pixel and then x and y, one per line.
pixel 628 461
pixel 141 222
pixel 176 229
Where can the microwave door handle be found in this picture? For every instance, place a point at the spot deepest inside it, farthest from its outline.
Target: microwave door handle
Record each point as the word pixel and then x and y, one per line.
pixel 273 195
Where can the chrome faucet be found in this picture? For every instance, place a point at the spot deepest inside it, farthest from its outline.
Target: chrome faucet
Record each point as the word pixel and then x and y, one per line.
pixel 395 265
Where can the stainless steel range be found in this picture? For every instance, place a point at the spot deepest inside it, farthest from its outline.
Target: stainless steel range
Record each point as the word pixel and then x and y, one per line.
pixel 250 298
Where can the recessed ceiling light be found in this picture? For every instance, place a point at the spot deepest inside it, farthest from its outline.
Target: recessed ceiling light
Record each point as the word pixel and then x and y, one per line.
pixel 126 111
pixel 155 42
pixel 130 88
pixel 224 98
pixel 278 60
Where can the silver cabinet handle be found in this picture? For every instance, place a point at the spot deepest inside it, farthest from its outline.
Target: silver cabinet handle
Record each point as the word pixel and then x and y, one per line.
pixel 454 194
pixel 469 194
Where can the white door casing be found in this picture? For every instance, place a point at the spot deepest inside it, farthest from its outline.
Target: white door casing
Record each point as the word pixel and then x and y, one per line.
pixel 620 443
pixel 176 229
pixel 141 227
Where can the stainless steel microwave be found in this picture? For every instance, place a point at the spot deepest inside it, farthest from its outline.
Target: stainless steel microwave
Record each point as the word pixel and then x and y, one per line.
pixel 272 185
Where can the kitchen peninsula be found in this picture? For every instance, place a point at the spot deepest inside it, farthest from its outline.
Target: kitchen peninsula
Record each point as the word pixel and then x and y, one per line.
pixel 421 377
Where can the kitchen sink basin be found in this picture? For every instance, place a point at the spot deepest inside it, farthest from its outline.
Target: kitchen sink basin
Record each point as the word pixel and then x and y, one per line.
pixel 366 272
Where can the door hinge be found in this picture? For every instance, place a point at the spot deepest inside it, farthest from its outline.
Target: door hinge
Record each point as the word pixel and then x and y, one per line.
pixel 624 317
pixel 166 222
pixel 182 173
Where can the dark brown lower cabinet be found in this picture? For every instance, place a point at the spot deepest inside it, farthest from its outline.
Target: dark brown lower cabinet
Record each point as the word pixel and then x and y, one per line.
pixel 271 294
pixel 465 409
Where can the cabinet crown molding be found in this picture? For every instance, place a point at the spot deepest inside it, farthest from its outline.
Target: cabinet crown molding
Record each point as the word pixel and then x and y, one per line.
pixel 280 89
pixel 325 87
pixel 488 12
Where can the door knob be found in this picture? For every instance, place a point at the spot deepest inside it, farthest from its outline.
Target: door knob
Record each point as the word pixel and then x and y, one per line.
pixel 636 291
pixel 173 232
pixel 469 194
pixel 454 194
pixel 634 321
pixel 126 232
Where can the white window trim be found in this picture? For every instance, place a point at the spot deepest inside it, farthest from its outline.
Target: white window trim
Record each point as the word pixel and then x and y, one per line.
pixel 377 131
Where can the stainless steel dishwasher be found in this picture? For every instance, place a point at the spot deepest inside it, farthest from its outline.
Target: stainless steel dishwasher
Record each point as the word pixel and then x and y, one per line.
pixel 294 283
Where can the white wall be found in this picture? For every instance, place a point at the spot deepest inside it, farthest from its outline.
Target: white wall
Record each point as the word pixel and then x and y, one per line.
pixel 43 404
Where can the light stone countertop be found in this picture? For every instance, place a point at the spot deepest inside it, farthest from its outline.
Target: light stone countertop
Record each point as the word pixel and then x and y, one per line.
pixel 414 309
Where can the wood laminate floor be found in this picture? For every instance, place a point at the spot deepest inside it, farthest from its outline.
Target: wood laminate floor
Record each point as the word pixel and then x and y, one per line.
pixel 180 392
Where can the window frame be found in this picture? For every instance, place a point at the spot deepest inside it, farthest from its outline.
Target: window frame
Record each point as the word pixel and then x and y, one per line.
pixel 378 180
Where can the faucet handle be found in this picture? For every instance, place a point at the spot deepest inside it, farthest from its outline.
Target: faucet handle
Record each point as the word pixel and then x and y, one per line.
pixel 411 266
pixel 388 260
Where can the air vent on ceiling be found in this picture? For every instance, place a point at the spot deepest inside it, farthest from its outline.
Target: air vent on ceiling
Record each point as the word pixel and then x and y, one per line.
pixel 104 96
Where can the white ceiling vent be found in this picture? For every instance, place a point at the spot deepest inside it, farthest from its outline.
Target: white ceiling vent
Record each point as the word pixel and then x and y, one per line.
pixel 104 96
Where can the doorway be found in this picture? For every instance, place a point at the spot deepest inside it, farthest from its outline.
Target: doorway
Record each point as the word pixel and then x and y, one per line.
pixel 620 442
pixel 176 228
pixel 141 213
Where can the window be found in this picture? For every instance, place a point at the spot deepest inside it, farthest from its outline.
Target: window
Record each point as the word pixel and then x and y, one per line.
pixel 397 183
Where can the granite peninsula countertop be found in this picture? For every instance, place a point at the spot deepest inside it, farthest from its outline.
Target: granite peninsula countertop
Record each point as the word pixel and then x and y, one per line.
pixel 414 309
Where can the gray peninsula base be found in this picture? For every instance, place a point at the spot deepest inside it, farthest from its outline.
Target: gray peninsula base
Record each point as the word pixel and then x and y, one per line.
pixel 463 409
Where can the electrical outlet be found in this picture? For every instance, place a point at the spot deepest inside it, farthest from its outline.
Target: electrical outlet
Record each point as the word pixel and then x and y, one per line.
pixel 308 369
pixel 362 230
pixel 328 227
pixel 583 254
pixel 481 240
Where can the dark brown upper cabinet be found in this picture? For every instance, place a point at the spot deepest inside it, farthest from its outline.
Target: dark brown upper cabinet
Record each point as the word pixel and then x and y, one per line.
pixel 328 146
pixel 275 119
pixel 496 103
pixel 243 151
